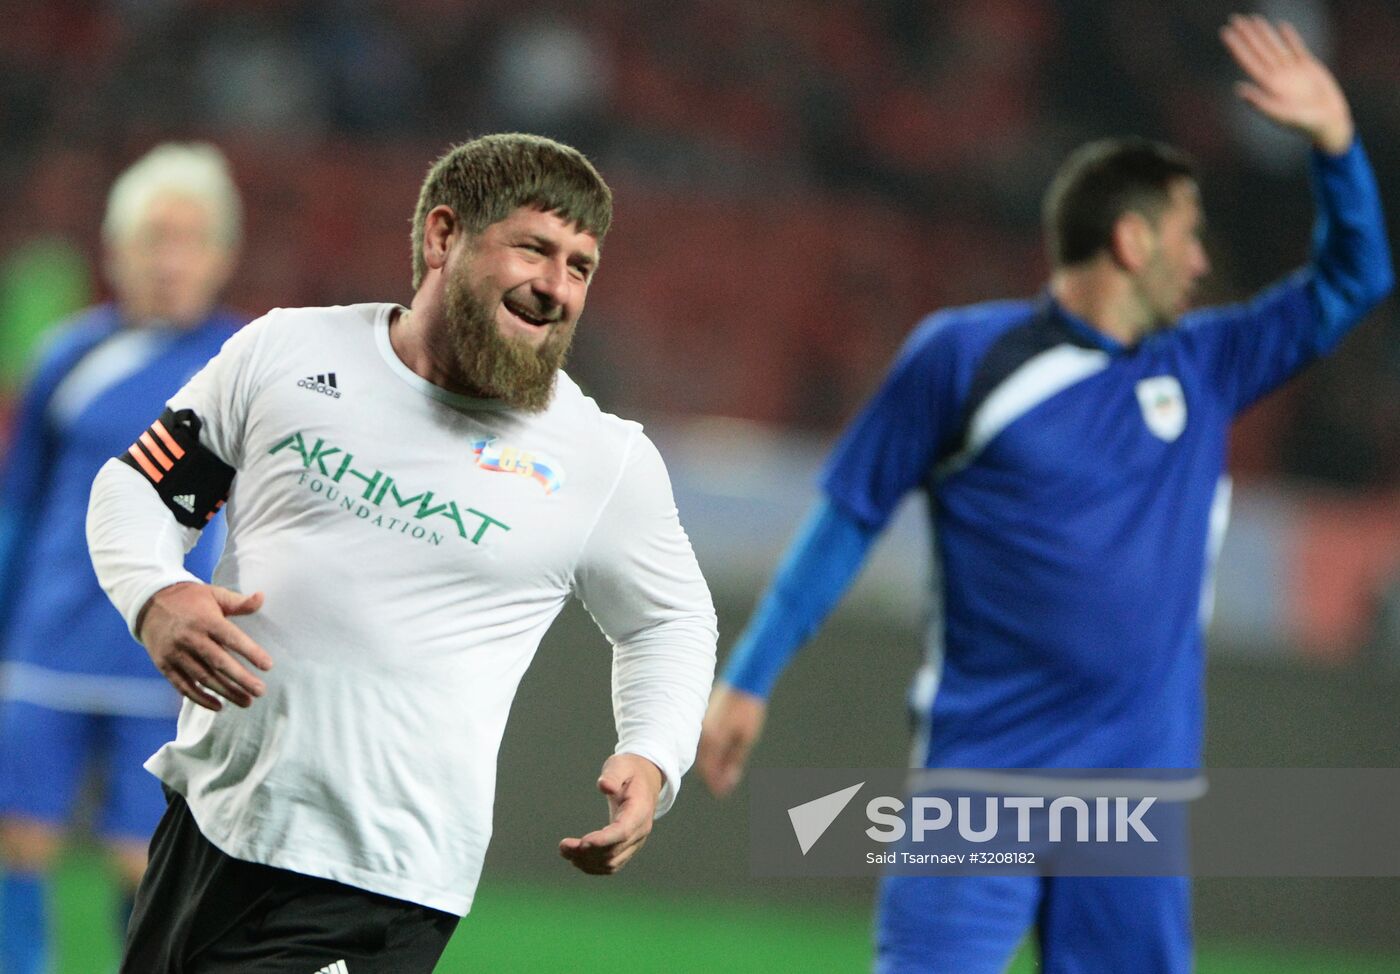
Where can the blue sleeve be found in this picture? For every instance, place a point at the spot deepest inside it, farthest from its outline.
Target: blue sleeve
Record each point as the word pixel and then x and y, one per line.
pixel 824 558
pixel 1250 349
pixel 23 474
pixel 22 479
pixel 888 450
pixel 28 455
pixel 893 444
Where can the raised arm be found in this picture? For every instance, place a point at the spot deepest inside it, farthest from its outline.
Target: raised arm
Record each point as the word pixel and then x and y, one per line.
pixel 1251 348
pixel 1288 85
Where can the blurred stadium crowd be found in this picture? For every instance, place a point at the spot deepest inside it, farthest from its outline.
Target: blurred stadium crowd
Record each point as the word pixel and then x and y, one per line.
pixel 797 182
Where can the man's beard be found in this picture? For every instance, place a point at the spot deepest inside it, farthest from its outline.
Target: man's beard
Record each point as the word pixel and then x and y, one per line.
pixel 491 365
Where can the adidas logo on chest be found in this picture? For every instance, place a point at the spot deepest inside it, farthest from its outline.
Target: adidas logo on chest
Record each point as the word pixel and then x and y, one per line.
pixel 324 383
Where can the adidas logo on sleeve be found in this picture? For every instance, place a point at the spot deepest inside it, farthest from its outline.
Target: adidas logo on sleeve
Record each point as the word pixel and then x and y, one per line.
pixel 323 383
pixel 339 967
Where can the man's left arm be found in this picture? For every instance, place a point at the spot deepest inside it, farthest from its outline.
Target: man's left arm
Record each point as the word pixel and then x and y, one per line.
pixel 1261 344
pixel 1350 270
pixel 639 579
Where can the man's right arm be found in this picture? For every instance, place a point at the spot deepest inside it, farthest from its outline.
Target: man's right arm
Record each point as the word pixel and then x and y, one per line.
pixel 146 511
pixel 138 550
pixel 823 560
pixel 888 450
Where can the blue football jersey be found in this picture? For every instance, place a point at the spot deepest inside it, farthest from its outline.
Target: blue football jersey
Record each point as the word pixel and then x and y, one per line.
pixel 1076 495
pixel 96 388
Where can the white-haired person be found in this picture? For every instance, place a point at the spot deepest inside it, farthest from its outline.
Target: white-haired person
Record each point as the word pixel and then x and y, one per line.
pixel 77 693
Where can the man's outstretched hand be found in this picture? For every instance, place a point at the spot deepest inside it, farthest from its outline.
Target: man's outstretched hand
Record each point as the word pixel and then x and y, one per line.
pixel 185 629
pixel 631 784
pixel 1286 83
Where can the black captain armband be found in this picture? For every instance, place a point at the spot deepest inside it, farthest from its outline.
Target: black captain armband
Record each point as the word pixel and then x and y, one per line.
pixel 192 481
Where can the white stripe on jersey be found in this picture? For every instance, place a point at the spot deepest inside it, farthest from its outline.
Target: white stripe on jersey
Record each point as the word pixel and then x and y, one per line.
pixel 1215 539
pixel 88 693
pixel 1038 378
pixel 926 680
pixel 114 359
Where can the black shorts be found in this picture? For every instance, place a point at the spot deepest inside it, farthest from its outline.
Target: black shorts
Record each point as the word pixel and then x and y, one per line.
pixel 199 911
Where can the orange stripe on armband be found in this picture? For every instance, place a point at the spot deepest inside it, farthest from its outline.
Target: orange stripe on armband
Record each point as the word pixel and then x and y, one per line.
pixel 175 449
pixel 157 454
pixel 147 467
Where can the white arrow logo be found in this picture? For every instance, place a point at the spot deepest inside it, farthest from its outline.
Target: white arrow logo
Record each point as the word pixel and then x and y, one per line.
pixel 811 819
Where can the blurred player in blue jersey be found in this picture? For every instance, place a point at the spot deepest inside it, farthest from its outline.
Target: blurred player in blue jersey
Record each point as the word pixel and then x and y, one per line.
pixel 77 690
pixel 1072 449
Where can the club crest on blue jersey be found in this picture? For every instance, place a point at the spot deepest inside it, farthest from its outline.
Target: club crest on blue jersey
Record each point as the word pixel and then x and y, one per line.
pixel 493 455
pixel 1163 406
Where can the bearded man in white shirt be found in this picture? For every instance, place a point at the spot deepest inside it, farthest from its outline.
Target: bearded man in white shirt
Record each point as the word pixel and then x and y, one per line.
pixel 457 488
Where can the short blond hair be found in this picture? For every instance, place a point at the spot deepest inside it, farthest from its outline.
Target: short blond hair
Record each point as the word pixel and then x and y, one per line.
pixel 196 170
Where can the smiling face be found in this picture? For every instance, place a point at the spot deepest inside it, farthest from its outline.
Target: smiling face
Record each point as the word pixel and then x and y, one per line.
pixel 513 295
pixel 534 267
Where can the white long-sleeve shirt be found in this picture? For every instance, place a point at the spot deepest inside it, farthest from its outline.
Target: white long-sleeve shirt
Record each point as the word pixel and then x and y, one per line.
pixel 413 546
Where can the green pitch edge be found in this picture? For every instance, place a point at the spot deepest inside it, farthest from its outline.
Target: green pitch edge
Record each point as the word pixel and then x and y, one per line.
pixel 525 929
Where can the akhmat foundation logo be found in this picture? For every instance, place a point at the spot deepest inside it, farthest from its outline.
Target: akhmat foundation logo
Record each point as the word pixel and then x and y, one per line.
pixel 374 496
